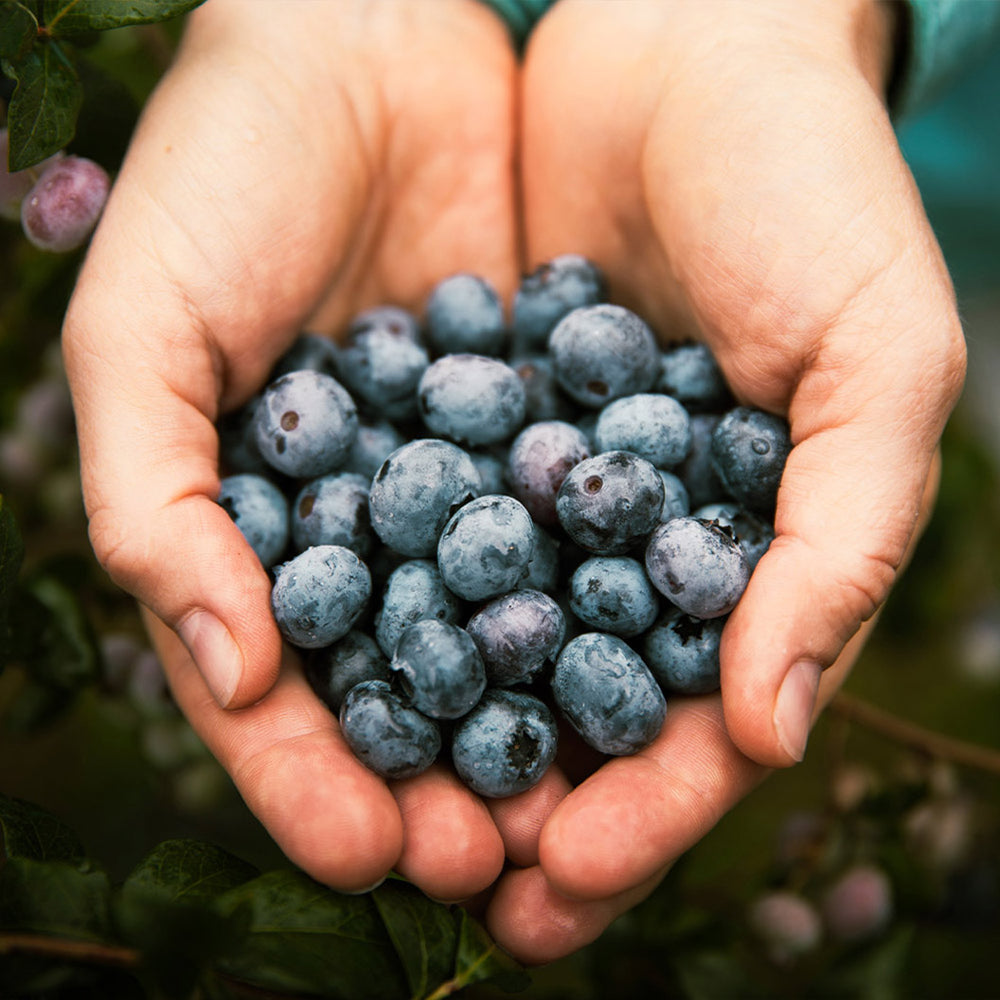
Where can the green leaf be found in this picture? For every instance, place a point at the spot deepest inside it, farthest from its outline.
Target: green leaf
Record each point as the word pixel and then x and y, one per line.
pixel 307 939
pixel 423 933
pixel 64 18
pixel 41 117
pixel 28 832
pixel 190 870
pixel 18 29
pixel 480 958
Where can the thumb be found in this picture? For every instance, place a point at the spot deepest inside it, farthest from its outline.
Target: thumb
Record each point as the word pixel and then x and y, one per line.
pixel 859 479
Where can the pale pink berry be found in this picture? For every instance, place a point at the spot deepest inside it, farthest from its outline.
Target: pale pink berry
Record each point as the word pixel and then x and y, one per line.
pixel 61 210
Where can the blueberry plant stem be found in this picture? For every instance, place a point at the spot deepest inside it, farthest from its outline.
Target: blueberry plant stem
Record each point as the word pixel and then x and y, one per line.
pixel 927 741
pixel 89 952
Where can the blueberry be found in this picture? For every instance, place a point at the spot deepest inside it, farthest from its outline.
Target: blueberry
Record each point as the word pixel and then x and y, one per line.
pixel 752 532
pixel 608 694
pixel 418 488
pixel 543 399
pixel 485 548
pixel 551 291
pixel 64 204
pixel 675 496
pixel 505 744
pixel 653 426
pixel 492 471
pixel 375 442
pixel 306 423
pixel 439 668
pixel 464 314
pixel 415 590
pixel 309 352
pixel 259 509
pixel 683 652
pixel 539 459
pixel 383 368
pixel 334 670
pixel 602 352
pixel 611 502
pixel 697 471
pixel 319 595
pixel 749 449
pixel 471 399
pixel 387 735
pixel 698 565
pixel 690 373
pixel 516 635
pixel 391 319
pixel 613 594
pixel 543 566
pixel 333 510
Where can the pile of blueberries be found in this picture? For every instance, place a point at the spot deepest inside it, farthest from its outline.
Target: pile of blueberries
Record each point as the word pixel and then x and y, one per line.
pixel 474 527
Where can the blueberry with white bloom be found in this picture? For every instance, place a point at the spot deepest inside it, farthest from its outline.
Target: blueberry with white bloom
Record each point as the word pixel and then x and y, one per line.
pixel 485 548
pixel 306 423
pixel 610 503
pixel 439 668
pixel 388 736
pixel 698 565
pixel 676 502
pixel 415 590
pixel 333 670
pixel 613 594
pixel 505 744
pixel 333 510
pixel 749 450
pixel 259 509
pixel 465 314
pixel 653 426
pixel 319 595
pixel 602 352
pixel 608 694
pixel 551 291
pixel 416 491
pixel 690 373
pixel 471 399
pixel 683 652
pixel 517 634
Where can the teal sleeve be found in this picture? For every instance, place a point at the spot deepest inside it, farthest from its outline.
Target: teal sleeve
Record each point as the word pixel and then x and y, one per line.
pixel 520 16
pixel 940 40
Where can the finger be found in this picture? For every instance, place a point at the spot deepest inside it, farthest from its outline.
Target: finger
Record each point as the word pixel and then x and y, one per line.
pixel 451 847
pixel 327 812
pixel 536 924
pixel 520 818
pixel 199 275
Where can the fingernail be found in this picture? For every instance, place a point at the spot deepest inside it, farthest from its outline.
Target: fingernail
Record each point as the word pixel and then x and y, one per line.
pixel 794 706
pixel 215 654
pixel 361 892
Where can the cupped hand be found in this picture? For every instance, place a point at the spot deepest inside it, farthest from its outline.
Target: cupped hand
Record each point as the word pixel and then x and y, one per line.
pixel 300 161
pixel 733 169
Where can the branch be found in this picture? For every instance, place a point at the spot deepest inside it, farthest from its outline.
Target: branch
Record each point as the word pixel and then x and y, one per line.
pixel 908 733
pixel 74 951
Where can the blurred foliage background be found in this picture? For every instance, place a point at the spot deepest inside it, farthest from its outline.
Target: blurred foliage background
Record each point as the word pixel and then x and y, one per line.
pixel 100 745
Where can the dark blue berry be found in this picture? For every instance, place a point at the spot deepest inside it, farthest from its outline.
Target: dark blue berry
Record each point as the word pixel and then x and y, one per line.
pixel 306 423
pixel 505 744
pixel 675 496
pixel 485 548
pixel 309 352
pixel 749 449
pixel 375 442
pixel 683 652
pixel 690 373
pixel 517 634
pixel 259 509
pixel 610 503
pixel 613 594
pixel 602 352
pixel 698 565
pixel 539 459
pixel 416 491
pixel 387 735
pixel 471 399
pixel 319 595
pixel 653 426
pixel 334 670
pixel 608 694
pixel 551 291
pixel 439 668
pixel 333 510
pixel 697 472
pixel 415 590
pixel 464 314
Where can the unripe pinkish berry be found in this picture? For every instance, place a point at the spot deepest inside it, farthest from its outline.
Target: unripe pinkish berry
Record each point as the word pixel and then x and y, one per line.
pixel 859 904
pixel 62 208
pixel 787 924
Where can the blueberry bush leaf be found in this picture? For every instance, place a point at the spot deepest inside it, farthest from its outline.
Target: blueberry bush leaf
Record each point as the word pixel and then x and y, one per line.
pixel 65 18
pixel 18 28
pixel 423 933
pixel 41 117
pixel 305 939
pixel 480 958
